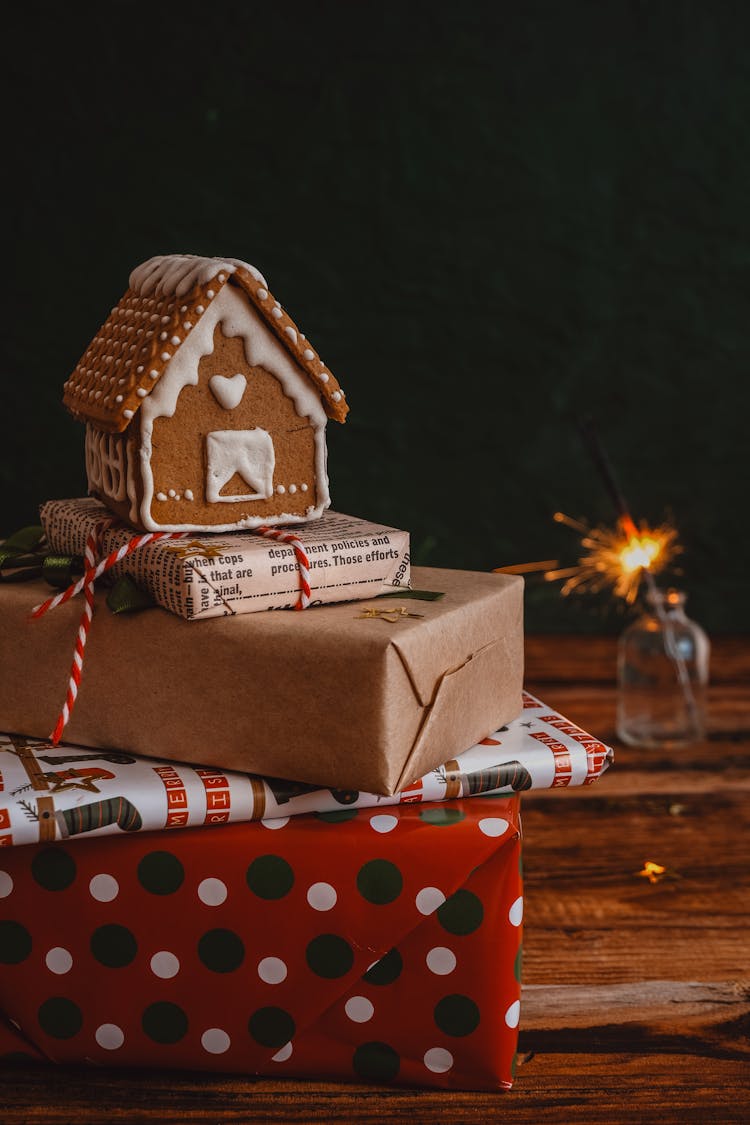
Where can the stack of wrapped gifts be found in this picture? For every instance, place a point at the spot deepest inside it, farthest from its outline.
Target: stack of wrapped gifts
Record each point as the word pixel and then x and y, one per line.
pixel 281 843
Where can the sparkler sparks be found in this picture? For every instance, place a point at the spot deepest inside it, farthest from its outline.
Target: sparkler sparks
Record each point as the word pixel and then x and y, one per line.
pixel 652 871
pixel 616 558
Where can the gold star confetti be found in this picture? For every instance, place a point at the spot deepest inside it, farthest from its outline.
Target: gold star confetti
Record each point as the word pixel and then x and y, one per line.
pixel 197 550
pixel 397 613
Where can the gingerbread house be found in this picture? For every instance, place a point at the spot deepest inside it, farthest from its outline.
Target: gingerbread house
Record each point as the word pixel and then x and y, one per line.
pixel 205 406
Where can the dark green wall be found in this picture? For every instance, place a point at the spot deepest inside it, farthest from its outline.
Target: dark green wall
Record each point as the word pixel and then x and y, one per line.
pixel 490 218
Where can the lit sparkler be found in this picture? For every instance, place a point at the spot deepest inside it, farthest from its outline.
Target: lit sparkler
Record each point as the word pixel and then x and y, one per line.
pixel 616 558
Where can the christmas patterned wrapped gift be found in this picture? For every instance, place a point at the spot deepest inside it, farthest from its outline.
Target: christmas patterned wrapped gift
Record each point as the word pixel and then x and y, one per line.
pixel 357 945
pixel 51 792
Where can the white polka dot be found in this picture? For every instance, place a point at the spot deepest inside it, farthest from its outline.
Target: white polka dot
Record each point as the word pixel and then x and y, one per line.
pixel 292 488
pixel 6 884
pixel 429 899
pixel 383 823
pixel 59 960
pixel 322 896
pixel 284 1054
pixel 274 823
pixel 441 961
pixel 272 970
pixel 165 965
pixel 215 1041
pixel 513 1013
pixel 104 888
pixel 438 1060
pixel 359 1009
pixel 515 914
pixel 109 1036
pixel 493 826
pixel 212 892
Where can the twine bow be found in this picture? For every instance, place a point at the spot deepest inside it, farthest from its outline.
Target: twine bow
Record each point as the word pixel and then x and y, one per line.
pixel 126 596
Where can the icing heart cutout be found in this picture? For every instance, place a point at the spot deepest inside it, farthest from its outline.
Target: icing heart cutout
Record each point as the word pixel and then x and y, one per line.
pixel 228 391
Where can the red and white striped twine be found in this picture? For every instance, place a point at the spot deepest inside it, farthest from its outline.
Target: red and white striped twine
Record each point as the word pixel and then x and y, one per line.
pixel 94 570
pixel 74 680
pixel 303 564
pixel 106 564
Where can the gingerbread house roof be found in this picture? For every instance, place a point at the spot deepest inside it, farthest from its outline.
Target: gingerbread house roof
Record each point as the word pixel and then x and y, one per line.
pixel 167 297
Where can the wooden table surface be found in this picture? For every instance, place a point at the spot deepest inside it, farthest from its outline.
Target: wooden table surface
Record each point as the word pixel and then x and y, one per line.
pixel 636 995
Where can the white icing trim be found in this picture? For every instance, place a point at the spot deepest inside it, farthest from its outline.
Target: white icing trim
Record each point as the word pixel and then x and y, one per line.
pixel 106 463
pixel 176 274
pixel 262 349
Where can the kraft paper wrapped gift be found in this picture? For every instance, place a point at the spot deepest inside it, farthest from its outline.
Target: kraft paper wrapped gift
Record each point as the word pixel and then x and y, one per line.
pixel 331 696
pixel 346 946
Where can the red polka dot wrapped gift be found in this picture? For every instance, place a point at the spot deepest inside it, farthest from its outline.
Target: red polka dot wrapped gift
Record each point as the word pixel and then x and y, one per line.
pixel 326 946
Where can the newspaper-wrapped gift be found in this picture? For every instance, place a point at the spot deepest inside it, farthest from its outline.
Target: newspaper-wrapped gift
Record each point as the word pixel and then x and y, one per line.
pixel 65 792
pixel 338 947
pixel 215 575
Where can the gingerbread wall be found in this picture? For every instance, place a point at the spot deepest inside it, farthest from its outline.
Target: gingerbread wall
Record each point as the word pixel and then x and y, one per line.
pixel 179 449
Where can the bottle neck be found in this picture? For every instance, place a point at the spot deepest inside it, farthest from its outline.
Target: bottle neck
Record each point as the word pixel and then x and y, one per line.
pixel 663 603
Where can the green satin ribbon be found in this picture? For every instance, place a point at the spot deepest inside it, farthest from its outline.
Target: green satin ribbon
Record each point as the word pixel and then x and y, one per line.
pixel 417 595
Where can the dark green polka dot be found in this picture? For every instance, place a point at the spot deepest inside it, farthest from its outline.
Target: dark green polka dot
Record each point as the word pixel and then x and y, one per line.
pixel 15 943
pixel 164 1022
pixel 337 816
pixel 18 1056
pixel 329 956
pixel 441 816
pixel 54 869
pixel 376 1062
pixel 271 1027
pixel 518 965
pixel 462 913
pixel 113 946
pixel 161 873
pixel 270 877
pixel 345 796
pixel 379 881
pixel 60 1017
pixel 386 970
pixel 457 1015
pixel 222 951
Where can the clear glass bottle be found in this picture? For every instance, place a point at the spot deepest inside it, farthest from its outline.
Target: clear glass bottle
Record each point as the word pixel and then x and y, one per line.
pixel 662 675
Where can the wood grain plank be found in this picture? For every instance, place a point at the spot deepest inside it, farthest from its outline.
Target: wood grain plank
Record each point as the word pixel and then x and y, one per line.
pixel 661 1002
pixel 593 659
pixel 611 1087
